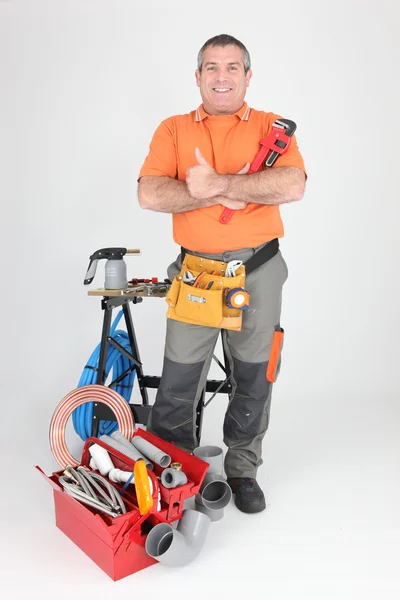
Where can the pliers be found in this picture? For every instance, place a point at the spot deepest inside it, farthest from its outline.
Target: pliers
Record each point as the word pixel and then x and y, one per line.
pixel 198 278
pixel 190 279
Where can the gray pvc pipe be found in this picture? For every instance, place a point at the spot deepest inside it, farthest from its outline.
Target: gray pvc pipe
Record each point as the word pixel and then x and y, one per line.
pixel 214 456
pixel 214 515
pixel 130 452
pixel 151 451
pixel 118 437
pixel 171 478
pixel 215 492
pixel 178 547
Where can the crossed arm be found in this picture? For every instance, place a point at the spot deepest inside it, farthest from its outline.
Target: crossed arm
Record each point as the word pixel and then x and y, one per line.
pixel 204 187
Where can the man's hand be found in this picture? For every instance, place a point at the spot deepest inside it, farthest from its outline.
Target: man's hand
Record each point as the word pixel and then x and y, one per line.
pixel 203 182
pixel 235 204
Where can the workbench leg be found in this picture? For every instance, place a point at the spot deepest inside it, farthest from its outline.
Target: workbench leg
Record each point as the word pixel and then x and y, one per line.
pixel 135 352
pixel 101 367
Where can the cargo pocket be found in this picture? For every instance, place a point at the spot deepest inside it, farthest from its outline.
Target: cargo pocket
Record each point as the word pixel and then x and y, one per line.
pixel 199 306
pixel 274 362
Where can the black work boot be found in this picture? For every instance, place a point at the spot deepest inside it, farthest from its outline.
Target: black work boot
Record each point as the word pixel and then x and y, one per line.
pixel 249 497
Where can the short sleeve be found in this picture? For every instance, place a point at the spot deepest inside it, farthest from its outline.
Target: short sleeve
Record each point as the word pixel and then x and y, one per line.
pixel 161 160
pixel 292 157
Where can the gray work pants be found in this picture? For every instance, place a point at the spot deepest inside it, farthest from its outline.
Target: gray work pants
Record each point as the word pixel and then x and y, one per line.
pixel 187 359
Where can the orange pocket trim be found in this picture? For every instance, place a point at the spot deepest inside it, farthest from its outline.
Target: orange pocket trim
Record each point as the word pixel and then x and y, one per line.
pixel 274 355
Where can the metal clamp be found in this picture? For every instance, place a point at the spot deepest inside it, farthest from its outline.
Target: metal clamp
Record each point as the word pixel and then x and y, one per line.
pixel 198 299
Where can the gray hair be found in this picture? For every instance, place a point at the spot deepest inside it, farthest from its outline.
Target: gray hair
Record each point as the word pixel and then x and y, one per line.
pixel 224 40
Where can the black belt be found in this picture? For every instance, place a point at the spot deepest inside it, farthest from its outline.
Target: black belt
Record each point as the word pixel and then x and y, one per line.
pixel 259 258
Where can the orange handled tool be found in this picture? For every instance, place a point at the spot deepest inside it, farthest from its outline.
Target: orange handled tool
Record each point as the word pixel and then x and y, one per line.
pixel 142 487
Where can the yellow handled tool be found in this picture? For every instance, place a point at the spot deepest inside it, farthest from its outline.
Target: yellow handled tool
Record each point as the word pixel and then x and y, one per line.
pixel 142 487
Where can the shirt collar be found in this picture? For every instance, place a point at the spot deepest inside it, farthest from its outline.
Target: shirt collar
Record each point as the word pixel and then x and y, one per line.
pixel 243 113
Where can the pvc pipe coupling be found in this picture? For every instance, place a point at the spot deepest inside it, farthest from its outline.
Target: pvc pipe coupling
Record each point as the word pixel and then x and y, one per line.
pixel 213 455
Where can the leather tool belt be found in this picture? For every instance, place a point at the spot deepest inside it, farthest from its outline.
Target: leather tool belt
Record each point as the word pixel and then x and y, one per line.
pixel 200 294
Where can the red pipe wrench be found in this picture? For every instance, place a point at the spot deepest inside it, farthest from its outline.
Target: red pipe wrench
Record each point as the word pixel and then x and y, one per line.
pixel 277 144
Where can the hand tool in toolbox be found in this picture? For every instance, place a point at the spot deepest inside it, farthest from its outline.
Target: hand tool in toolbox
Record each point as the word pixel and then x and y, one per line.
pixel 273 146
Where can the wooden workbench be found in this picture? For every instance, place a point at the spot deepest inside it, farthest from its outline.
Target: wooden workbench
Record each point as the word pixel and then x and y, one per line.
pixel 127 293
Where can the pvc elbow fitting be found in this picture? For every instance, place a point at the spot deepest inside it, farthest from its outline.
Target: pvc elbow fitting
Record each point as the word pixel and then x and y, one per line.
pixel 101 459
pixel 171 478
pixel 215 515
pixel 178 547
pixel 215 492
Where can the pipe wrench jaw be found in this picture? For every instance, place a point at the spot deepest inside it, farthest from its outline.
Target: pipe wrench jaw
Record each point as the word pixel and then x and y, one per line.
pixel 279 139
pixel 290 126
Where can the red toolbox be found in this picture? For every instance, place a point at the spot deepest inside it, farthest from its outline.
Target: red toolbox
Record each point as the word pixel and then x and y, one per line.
pixel 116 544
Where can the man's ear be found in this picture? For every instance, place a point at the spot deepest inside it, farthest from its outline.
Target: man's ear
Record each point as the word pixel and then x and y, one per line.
pixel 248 77
pixel 197 75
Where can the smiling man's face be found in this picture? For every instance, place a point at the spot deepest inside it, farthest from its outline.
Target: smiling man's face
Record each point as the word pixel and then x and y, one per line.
pixel 222 81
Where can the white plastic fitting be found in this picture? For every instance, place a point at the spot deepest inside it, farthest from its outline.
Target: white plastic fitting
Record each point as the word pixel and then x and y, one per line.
pixel 119 476
pixel 101 458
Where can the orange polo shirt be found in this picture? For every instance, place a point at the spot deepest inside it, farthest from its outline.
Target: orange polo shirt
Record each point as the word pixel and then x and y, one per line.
pixel 227 142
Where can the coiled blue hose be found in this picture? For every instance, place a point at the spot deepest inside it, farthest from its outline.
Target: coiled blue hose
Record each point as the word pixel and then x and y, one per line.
pixel 83 415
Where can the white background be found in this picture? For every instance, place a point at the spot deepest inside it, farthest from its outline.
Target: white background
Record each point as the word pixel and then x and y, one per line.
pixel 83 86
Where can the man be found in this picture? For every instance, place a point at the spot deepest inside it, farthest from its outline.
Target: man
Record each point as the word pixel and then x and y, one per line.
pixel 197 166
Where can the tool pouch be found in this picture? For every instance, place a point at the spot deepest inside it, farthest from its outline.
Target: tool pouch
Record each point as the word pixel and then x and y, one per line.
pixel 201 306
